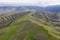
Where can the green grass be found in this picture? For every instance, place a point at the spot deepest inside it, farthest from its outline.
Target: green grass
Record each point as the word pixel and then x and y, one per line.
pixel 48 27
pixel 18 28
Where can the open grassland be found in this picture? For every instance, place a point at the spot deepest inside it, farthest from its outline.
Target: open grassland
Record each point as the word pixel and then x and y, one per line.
pixel 23 29
pixel 52 30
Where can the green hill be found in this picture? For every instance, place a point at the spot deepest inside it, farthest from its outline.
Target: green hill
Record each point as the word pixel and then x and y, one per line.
pixel 24 28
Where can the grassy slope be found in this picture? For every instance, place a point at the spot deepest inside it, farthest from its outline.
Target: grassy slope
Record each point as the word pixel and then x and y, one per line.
pixel 24 29
pixel 46 25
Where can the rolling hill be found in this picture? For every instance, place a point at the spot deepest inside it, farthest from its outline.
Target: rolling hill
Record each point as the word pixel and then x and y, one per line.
pixel 31 25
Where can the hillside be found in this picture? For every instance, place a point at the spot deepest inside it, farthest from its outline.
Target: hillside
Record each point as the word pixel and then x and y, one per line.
pixel 24 29
pixel 49 21
pixel 32 25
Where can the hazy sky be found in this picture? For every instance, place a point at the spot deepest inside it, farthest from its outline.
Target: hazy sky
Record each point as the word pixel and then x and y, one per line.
pixel 31 2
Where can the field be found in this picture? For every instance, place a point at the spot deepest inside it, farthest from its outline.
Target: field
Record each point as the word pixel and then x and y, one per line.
pixel 24 29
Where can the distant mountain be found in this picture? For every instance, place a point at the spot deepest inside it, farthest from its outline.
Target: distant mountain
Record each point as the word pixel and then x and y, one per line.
pixel 53 8
pixel 21 7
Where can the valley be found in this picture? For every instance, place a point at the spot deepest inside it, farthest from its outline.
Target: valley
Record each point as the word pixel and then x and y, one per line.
pixel 30 25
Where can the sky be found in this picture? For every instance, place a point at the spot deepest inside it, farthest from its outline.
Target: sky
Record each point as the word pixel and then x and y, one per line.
pixel 31 2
